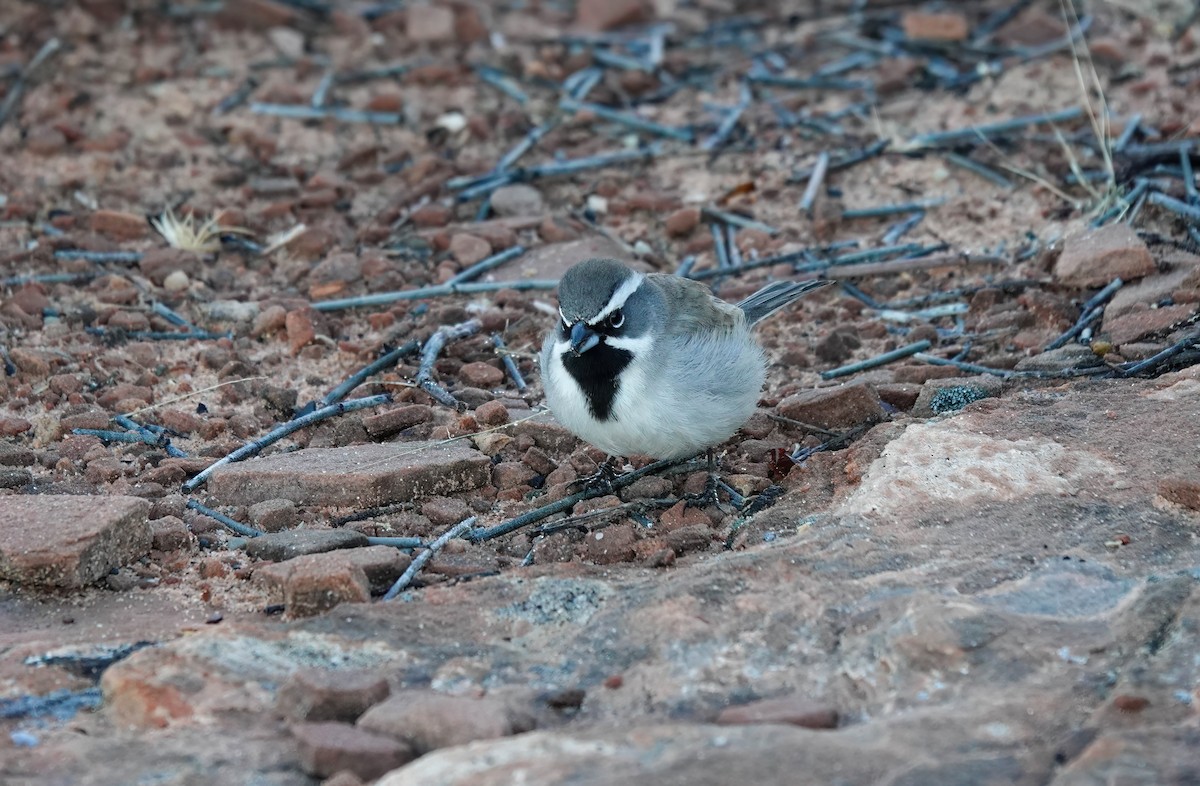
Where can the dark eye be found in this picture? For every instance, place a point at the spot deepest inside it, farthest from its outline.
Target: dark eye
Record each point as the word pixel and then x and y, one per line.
pixel 616 319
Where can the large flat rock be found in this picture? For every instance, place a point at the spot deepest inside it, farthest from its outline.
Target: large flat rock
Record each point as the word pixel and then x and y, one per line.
pixel 1001 595
pixel 70 541
pixel 356 476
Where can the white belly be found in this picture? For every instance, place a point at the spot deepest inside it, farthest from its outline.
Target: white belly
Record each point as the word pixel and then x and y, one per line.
pixel 694 394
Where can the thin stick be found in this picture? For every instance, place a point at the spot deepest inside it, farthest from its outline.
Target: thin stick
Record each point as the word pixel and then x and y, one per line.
pixel 17 91
pixel 441 337
pixel 1088 313
pixel 972 134
pixel 510 365
pixel 419 561
pixel 1182 209
pixel 495 260
pixel 1159 358
pixel 815 181
pixel 566 503
pixel 877 361
pixel 386 361
pixel 906 265
pixel 236 526
pixel 736 220
pixel 470 288
pixel 255 447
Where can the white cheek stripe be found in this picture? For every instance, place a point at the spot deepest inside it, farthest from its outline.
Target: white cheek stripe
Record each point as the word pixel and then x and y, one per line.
pixel 627 288
pixel 637 345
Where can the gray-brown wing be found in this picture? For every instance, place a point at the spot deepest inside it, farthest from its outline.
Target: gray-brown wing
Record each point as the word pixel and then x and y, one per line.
pixel 693 307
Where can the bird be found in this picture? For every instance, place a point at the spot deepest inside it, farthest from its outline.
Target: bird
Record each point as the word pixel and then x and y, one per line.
pixel 652 364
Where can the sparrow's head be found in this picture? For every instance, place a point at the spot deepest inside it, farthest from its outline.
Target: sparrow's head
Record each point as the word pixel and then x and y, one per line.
pixel 602 301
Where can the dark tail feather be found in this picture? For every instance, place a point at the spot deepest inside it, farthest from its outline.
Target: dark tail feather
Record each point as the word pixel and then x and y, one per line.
pixel 775 296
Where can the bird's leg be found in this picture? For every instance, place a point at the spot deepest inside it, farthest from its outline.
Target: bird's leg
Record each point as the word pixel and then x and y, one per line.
pixel 709 495
pixel 601 480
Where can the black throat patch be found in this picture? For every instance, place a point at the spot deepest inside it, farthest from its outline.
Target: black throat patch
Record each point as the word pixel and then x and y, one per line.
pixel 597 372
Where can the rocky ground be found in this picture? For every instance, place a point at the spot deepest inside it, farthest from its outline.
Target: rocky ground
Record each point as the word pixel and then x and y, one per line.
pixel 976 563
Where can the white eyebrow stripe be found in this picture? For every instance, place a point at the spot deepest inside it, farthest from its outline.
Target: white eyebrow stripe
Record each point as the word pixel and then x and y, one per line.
pixel 627 288
pixel 566 321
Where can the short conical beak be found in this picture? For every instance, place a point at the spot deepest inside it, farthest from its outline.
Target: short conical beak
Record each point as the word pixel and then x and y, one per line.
pixel 583 338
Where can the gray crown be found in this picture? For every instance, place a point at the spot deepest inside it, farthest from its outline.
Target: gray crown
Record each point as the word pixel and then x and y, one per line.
pixel 586 288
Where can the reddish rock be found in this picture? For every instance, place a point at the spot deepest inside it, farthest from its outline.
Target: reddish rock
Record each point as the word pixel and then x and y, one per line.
pixel 169 533
pixel 429 216
pixel 1182 490
pixel 939 396
pixel 11 426
pixel 1136 325
pixel 159 263
pixel 355 477
pixel 273 515
pixel 682 221
pixel 511 474
pixel 943 26
pixel 70 541
pixel 481 375
pixel 609 545
pixel 469 27
pixel 256 15
pixel 600 15
pixel 329 748
pixel 300 330
pixel 118 225
pixel 445 512
pixel 30 363
pixel 469 249
pixel 681 515
pixel 792 710
pixel 45 141
pixel 330 695
pixel 427 720
pixel 374 567
pixel 1095 258
pixel 901 395
pixel 280 546
pixel 517 200
pixel 845 406
pixel 491 413
pixel 270 320
pixel 430 24
pixel 128 320
pixel 396 420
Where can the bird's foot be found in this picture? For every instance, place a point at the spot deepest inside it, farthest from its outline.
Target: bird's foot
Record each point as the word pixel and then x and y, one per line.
pixel 707 497
pixel 600 482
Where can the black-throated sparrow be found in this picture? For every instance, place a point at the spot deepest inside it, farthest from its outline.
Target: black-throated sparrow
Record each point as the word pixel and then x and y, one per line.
pixel 654 364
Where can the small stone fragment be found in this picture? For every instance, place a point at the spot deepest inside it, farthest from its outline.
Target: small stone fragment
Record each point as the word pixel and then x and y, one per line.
pixel 845 406
pixel 943 26
pixel 118 225
pixel 330 695
pixel 1182 490
pixel 273 515
pixel 445 511
pixel 427 721
pixel 939 396
pixel 469 249
pixel 430 24
pixel 281 546
pixel 682 221
pixel 491 413
pixel 1096 257
pixel 793 710
pixel 481 375
pixel 601 15
pixel 518 199
pixel 328 748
